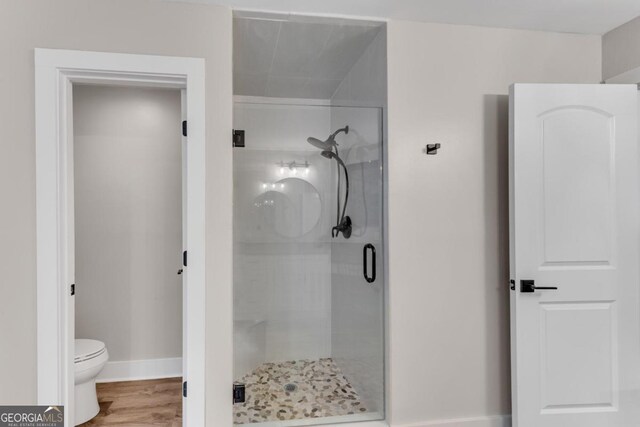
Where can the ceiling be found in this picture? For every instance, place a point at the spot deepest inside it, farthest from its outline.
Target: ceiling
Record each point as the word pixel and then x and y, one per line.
pixel 295 57
pixel 572 16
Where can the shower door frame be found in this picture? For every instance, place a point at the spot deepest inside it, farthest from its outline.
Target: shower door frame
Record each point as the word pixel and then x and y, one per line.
pixel 55 73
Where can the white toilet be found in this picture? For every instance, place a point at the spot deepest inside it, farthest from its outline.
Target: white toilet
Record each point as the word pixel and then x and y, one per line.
pixel 90 358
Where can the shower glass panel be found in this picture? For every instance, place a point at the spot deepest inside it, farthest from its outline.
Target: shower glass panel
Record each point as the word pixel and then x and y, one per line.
pixel 308 307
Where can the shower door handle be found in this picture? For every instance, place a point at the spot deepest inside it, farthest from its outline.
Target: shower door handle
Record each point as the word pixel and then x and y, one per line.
pixel 365 262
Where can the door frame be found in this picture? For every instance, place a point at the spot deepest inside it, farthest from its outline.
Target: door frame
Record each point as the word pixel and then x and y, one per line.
pixel 55 73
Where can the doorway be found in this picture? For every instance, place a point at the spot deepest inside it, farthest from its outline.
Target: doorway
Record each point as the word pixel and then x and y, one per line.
pixel 57 73
pixel 128 252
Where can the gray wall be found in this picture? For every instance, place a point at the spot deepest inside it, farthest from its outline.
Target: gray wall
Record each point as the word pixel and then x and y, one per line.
pixel 621 49
pixel 128 219
pixel 127 26
pixel 448 214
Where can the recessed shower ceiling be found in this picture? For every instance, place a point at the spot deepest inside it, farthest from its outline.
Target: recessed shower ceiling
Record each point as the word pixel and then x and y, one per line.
pixel 294 57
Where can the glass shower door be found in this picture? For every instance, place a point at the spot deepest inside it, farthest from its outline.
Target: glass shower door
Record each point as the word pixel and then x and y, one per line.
pixel 357 279
pixel 308 312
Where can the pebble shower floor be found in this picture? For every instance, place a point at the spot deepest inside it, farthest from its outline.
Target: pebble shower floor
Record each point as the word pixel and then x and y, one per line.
pixel 321 390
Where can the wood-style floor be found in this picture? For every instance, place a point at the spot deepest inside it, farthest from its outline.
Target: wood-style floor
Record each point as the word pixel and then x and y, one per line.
pixel 139 403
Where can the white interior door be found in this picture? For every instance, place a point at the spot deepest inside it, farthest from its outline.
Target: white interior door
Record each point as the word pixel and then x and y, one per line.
pixel 574 197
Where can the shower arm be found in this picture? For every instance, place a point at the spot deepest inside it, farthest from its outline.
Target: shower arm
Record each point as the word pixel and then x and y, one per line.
pixel 333 135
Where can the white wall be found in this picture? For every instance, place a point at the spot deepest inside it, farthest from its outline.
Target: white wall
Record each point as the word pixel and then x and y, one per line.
pixel 128 220
pixel 357 306
pixel 282 283
pixel 448 214
pixel 128 26
pixel 621 49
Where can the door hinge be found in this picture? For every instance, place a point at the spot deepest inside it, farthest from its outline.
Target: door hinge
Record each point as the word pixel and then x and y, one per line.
pixel 184 389
pixel 238 393
pixel 238 138
pixel 73 289
pixel 184 258
pixel 184 128
pixel 512 285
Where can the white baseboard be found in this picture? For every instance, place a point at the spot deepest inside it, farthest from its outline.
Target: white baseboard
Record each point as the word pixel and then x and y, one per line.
pixel 493 421
pixel 133 370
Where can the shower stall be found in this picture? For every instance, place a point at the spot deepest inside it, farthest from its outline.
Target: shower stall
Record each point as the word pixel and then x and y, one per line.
pixel 309 287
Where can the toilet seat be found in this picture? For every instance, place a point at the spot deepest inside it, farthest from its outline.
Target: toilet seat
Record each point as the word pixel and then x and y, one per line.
pixel 88 349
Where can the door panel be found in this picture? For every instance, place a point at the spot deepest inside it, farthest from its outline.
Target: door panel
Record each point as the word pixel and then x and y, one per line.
pixel 577 214
pixel 574 225
pixel 571 332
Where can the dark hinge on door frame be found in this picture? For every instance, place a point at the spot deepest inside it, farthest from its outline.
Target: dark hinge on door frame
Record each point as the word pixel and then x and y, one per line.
pixel 73 289
pixel 184 258
pixel 237 139
pixel 184 128
pixel 239 394
pixel 184 389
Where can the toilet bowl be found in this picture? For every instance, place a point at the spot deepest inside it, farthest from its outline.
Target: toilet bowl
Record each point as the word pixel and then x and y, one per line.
pixel 90 358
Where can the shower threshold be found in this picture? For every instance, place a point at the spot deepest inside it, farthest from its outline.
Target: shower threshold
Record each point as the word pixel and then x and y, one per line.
pixel 340 419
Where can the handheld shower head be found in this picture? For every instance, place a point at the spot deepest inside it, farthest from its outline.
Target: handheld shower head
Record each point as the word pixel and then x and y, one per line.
pixel 331 155
pixel 328 144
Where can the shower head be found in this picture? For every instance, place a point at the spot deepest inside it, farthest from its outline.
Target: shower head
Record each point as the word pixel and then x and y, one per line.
pixel 330 142
pixel 323 145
